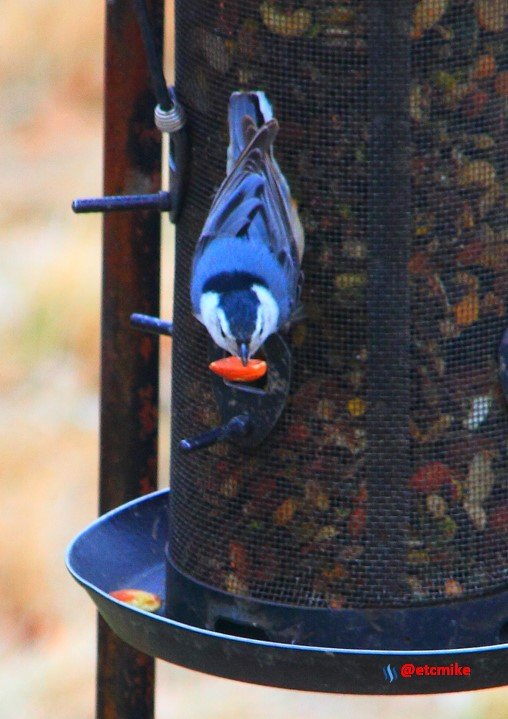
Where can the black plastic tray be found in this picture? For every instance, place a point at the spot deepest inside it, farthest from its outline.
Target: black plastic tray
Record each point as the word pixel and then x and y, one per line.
pixel 125 548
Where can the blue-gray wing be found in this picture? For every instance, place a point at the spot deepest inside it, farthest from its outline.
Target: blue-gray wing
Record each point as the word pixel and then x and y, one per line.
pixel 253 203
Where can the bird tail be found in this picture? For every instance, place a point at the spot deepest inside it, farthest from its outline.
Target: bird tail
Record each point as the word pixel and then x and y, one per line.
pixel 252 104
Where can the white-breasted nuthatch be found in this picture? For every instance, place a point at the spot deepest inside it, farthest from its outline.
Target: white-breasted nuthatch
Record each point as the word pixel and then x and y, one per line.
pixel 246 277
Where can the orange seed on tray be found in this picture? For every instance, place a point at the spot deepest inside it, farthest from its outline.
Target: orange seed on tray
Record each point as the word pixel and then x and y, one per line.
pixel 231 368
pixel 148 601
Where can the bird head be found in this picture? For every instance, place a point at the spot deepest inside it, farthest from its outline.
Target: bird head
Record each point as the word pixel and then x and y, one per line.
pixel 241 318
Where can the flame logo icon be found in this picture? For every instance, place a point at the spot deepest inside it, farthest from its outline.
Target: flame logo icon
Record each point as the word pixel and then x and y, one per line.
pixel 390 673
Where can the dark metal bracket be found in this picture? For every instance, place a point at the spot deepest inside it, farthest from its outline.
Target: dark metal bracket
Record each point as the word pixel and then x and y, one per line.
pixel 262 404
pixel 248 412
pixel 179 169
pixel 503 362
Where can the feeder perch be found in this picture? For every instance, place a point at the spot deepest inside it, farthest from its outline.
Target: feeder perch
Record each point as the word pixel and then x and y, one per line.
pixel 152 325
pixel 356 523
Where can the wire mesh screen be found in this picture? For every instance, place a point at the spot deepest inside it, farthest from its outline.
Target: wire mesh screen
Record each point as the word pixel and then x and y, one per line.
pixel 385 481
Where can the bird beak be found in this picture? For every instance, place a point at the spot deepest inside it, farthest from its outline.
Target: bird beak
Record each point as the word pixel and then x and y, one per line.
pixel 243 351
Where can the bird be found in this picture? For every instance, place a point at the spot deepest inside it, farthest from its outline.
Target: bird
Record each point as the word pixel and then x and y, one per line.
pixel 246 276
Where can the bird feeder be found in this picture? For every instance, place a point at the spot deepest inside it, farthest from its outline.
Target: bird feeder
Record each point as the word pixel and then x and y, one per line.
pixel 358 523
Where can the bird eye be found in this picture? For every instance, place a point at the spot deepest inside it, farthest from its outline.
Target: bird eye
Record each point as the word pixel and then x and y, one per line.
pixel 222 332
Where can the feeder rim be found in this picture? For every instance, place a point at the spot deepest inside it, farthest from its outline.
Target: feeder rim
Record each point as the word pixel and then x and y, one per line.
pixel 460 651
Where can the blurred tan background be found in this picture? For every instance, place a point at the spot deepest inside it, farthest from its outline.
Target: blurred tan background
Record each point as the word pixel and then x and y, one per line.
pixel 50 152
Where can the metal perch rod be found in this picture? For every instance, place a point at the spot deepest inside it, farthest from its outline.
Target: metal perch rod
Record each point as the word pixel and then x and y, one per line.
pixel 156 201
pixel 153 325
pixel 237 426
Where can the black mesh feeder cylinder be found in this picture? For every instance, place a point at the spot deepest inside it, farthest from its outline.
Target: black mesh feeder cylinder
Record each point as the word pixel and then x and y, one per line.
pixel 374 514
pixel 353 521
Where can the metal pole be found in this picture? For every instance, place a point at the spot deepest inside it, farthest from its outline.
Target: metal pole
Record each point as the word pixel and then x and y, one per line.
pixel 129 367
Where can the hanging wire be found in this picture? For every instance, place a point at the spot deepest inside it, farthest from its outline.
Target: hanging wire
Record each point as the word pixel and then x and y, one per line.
pixel 168 115
pixel 160 88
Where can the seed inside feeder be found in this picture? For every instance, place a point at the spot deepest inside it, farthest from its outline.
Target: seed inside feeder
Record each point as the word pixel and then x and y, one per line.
pixel 231 368
pixel 292 492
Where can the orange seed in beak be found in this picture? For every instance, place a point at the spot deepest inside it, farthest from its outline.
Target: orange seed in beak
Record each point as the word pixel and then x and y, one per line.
pixel 231 368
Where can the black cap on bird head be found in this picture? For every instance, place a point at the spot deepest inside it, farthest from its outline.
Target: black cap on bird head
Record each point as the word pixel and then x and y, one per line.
pixel 240 309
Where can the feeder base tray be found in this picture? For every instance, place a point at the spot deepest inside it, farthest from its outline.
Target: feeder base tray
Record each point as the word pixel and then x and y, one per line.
pixel 126 549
